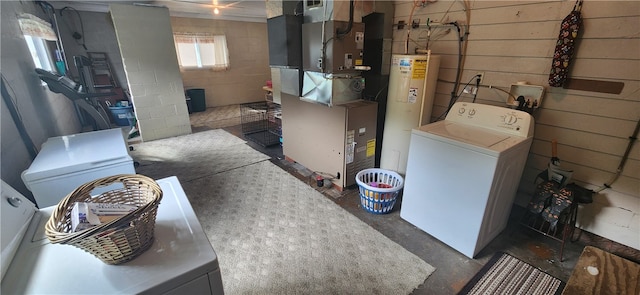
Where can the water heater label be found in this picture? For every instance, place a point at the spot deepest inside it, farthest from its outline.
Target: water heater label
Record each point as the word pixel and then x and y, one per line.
pixel 419 69
pixel 413 95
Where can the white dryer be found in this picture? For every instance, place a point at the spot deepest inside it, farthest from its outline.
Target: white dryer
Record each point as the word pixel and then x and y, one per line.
pixel 180 261
pixel 463 173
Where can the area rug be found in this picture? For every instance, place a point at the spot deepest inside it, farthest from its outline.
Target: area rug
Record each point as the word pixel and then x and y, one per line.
pixel 216 117
pixel 274 234
pixel 505 274
pixel 194 155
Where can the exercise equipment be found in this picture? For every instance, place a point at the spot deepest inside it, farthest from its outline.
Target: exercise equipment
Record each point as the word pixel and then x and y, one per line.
pixel 87 102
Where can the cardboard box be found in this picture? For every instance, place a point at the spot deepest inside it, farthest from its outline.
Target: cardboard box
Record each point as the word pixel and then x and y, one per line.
pixel 86 215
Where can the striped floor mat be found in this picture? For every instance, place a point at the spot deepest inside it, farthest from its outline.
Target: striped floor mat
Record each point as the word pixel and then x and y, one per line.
pixel 505 274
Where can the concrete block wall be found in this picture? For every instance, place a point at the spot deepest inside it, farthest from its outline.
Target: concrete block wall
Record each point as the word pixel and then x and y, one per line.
pixel 148 53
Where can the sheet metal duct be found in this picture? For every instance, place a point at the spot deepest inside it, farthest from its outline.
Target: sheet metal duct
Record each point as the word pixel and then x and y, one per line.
pixel 321 10
pixel 329 89
pixel 283 7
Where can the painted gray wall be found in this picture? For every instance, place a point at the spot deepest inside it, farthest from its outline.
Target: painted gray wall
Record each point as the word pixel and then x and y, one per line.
pixel 43 113
pixel 98 35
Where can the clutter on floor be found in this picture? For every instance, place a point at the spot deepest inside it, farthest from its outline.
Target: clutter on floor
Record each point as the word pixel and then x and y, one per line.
pixel 600 272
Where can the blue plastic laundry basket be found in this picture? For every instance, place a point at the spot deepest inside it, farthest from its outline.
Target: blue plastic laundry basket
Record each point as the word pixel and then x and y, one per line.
pixel 379 189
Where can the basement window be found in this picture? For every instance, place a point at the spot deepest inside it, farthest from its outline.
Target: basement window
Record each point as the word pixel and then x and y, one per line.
pixel 314 3
pixel 202 51
pixel 39 52
pixel 37 33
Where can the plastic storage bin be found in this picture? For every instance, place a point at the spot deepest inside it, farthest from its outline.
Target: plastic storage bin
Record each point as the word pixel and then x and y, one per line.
pixel 121 115
pixel 379 189
pixel 198 101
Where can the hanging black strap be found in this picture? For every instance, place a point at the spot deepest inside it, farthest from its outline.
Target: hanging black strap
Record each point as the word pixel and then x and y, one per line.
pixel 8 100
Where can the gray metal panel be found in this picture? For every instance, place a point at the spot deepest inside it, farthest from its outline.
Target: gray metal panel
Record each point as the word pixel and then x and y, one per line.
pixel 313 135
pixel 276 82
pixel 285 40
pixel 290 81
pixel 336 50
pixel 362 120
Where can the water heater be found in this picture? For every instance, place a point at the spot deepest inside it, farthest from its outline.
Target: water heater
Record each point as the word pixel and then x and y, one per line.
pixel 412 85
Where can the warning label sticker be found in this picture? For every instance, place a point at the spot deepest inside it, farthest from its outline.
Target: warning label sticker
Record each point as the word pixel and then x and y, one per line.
pixel 419 69
pixel 371 147
pixel 413 95
pixel 350 147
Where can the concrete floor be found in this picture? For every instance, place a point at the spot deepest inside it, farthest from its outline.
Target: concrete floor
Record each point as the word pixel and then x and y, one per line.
pixel 453 269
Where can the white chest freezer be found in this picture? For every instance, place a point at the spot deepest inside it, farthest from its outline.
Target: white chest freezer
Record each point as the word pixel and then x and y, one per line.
pixel 66 162
pixel 180 261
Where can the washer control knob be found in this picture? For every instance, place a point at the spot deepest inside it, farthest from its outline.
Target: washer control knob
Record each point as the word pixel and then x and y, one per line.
pixel 472 112
pixel 510 119
pixel 461 111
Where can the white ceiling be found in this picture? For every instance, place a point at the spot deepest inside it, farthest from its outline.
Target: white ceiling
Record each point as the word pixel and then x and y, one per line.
pixel 240 10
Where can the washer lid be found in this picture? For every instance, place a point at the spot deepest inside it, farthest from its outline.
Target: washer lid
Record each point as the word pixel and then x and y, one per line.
pixel 469 134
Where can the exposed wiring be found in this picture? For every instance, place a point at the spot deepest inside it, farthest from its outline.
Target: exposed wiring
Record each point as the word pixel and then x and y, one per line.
pixel 12 95
pixel 453 101
pixel 632 140
pixel 447 11
pixel 340 33
pixel 380 91
pixel 475 93
pixel 77 36
pixel 487 86
pixel 12 107
pixel 462 47
pixel 432 35
pixel 409 25
pixel 499 89
pixel 456 85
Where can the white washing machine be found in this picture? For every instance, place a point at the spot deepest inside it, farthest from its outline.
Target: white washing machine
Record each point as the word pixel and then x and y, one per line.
pixel 180 261
pixel 463 173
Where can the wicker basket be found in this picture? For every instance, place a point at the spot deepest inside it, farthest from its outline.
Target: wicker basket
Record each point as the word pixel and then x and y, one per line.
pixel 119 240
